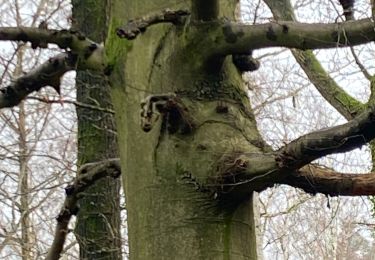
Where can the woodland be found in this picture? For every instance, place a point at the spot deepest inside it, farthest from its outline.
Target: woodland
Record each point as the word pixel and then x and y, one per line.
pixel 187 129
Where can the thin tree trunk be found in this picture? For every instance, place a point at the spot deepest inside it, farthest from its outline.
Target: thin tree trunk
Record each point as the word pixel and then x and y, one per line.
pixel 24 188
pixel 23 172
pixel 98 220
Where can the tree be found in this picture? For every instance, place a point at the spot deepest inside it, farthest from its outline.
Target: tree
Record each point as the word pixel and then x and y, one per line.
pixel 32 166
pixel 193 157
pixel 98 218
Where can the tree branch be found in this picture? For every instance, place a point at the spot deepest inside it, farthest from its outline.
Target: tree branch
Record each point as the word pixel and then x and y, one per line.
pixel 239 174
pixel 313 179
pixel 345 104
pixel 337 139
pixel 229 38
pixel 87 175
pixel 244 174
pixel 62 38
pixel 49 73
pixel 91 54
pixel 360 65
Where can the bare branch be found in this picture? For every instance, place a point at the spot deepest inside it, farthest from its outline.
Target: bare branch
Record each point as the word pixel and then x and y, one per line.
pixel 83 54
pixel 91 54
pixel 345 104
pixel 313 179
pixel 337 139
pixel 73 102
pixel 360 65
pixel 232 38
pixel 135 27
pixel 88 174
pixel 62 38
pixel 242 173
pixel 49 73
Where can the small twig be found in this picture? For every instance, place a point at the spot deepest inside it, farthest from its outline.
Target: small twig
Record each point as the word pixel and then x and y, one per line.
pixel 73 102
pixel 135 27
pixel 360 65
pixel 365 224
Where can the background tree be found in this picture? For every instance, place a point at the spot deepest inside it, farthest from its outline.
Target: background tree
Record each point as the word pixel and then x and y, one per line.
pixel 98 220
pixel 37 148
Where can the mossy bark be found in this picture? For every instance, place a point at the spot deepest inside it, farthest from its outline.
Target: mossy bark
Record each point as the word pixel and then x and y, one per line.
pixel 172 211
pixel 98 220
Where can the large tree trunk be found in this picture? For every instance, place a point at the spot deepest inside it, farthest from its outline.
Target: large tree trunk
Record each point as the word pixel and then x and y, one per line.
pixel 170 214
pixel 98 221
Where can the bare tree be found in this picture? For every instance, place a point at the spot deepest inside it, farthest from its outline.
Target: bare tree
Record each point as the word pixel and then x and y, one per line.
pixel 38 155
pixel 190 170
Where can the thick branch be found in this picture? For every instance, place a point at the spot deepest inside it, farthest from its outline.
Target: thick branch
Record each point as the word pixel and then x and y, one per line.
pixel 232 38
pixel 313 179
pixel 88 174
pixel 243 173
pixel 90 54
pixel 135 27
pixel 47 74
pixel 83 54
pixel 338 139
pixel 346 105
pixel 205 10
pixel 63 38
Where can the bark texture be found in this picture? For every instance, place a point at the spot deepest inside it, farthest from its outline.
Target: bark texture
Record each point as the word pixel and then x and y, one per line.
pixel 172 212
pixel 98 220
